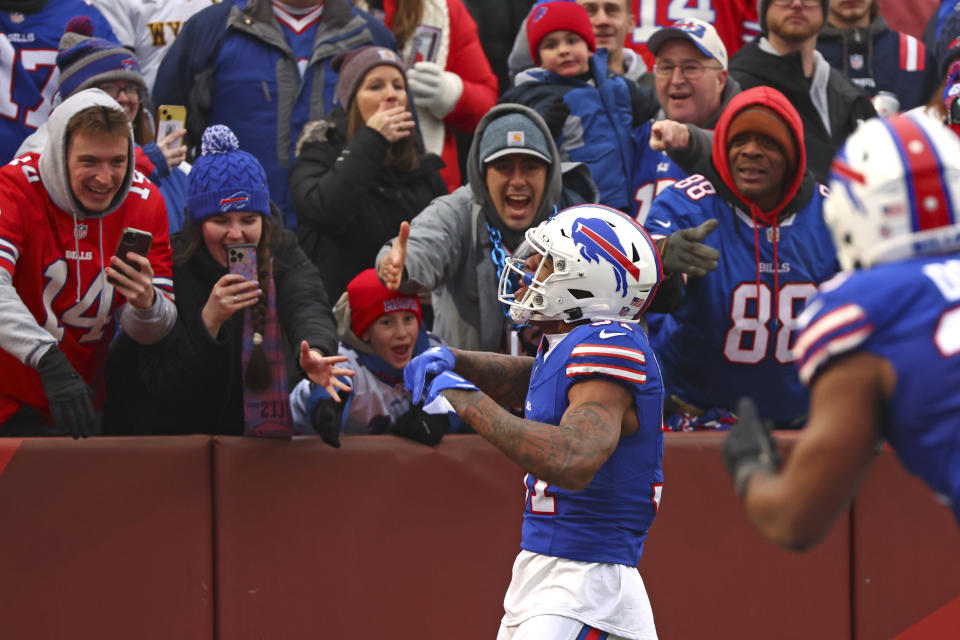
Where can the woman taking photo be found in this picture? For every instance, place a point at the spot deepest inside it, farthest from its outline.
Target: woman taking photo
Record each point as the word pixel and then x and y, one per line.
pixel 241 341
pixel 363 171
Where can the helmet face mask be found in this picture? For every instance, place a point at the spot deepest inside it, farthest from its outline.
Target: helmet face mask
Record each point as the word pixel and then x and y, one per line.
pixel 895 192
pixel 588 262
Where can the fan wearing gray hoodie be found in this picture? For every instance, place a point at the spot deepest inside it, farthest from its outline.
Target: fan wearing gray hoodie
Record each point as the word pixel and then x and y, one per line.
pixel 62 214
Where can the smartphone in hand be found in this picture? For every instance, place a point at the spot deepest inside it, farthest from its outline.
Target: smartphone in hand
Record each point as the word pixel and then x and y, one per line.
pixel 170 118
pixel 242 259
pixel 134 240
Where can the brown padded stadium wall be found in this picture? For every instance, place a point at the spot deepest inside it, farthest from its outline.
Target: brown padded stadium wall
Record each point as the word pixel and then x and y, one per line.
pixel 237 538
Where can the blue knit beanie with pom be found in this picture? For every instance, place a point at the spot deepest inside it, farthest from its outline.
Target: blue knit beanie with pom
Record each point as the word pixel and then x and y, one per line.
pixel 225 179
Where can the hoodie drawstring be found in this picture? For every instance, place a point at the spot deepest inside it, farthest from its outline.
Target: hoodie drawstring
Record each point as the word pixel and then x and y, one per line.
pixel 774 310
pixel 103 264
pixel 76 248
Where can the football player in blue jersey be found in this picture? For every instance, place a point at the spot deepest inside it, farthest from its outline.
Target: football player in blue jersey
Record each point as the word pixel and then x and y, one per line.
pixel 758 212
pixel 590 439
pixel 881 363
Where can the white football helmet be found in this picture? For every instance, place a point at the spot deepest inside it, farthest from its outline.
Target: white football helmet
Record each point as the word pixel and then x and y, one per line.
pixel 587 262
pixel 895 191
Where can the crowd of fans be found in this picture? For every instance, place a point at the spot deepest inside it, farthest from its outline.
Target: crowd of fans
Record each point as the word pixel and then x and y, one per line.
pixel 383 171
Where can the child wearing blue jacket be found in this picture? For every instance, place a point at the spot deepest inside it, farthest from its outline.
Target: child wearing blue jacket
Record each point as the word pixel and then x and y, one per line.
pixel 590 110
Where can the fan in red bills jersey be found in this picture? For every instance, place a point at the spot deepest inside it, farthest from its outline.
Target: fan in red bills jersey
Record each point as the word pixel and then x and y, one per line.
pixel 879 344
pixel 62 214
pixel 590 438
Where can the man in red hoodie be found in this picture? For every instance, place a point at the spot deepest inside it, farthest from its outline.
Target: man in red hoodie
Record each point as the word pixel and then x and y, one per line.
pixel 747 229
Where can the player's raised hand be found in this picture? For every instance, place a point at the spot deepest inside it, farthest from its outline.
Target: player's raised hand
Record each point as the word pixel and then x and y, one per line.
pixel 421 370
pixel 749 448
pixel 666 135
pixel 322 370
pixel 390 269
pixel 683 251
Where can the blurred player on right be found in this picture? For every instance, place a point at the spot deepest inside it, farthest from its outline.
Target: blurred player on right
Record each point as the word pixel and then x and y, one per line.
pixel 880 342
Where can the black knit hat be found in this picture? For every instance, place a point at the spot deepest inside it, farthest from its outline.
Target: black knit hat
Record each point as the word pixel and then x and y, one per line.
pixel 763 5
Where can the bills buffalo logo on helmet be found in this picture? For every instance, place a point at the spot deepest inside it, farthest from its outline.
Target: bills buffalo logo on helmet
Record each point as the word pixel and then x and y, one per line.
pixel 597 240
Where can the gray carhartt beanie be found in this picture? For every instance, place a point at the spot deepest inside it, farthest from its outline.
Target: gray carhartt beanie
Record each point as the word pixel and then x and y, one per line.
pixel 763 5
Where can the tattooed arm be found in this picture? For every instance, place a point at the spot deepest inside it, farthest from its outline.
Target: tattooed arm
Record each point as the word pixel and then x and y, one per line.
pixel 504 378
pixel 565 455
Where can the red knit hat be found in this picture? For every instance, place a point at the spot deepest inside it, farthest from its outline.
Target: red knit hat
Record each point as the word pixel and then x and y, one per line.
pixel 370 299
pixel 558 15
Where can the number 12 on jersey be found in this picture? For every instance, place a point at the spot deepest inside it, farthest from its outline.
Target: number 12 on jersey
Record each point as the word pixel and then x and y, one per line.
pixel 542 502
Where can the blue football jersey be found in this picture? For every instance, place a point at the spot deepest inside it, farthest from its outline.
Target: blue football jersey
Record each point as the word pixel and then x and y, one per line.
pixel 731 338
pixel 909 314
pixel 608 520
pixel 653 171
pixel 28 66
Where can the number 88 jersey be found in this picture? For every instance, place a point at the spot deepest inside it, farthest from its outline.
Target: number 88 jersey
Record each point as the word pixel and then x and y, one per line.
pixel 731 337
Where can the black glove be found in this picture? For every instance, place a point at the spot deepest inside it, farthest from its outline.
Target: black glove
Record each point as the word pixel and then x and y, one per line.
pixel 325 420
pixel 420 426
pixel 556 117
pixel 683 251
pixel 749 448
pixel 70 399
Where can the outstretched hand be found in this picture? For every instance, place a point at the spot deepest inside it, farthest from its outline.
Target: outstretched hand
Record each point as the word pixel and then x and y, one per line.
pixel 322 370
pixel 683 250
pixel 390 269
pixel 667 135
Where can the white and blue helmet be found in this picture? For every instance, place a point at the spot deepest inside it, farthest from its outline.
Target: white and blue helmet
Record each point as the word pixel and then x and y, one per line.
pixel 895 191
pixel 603 267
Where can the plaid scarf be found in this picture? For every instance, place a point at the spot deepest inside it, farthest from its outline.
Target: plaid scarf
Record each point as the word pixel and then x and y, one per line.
pixel 267 413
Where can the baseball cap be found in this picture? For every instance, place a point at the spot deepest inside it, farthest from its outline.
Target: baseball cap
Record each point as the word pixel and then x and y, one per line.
pixel 700 33
pixel 513 133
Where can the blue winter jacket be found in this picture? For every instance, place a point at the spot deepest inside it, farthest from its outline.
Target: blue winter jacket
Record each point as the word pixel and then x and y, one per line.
pixel 598 130
pixel 877 58
pixel 232 65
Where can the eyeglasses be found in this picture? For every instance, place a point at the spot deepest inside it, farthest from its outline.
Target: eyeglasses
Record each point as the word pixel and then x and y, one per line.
pixel 806 3
pixel 689 70
pixel 114 90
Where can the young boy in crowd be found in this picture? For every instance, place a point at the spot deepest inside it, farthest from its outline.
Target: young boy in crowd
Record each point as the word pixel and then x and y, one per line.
pixel 379 331
pixel 590 110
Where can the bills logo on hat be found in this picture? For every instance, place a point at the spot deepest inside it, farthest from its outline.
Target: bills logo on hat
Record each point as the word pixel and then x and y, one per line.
pixel 515 138
pixel 236 202
pixel 692 28
pixel 542 11
pixel 129 64
pixel 856 61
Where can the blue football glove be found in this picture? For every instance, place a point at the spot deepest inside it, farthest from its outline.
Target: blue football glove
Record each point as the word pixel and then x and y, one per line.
pixel 447 380
pixel 421 370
